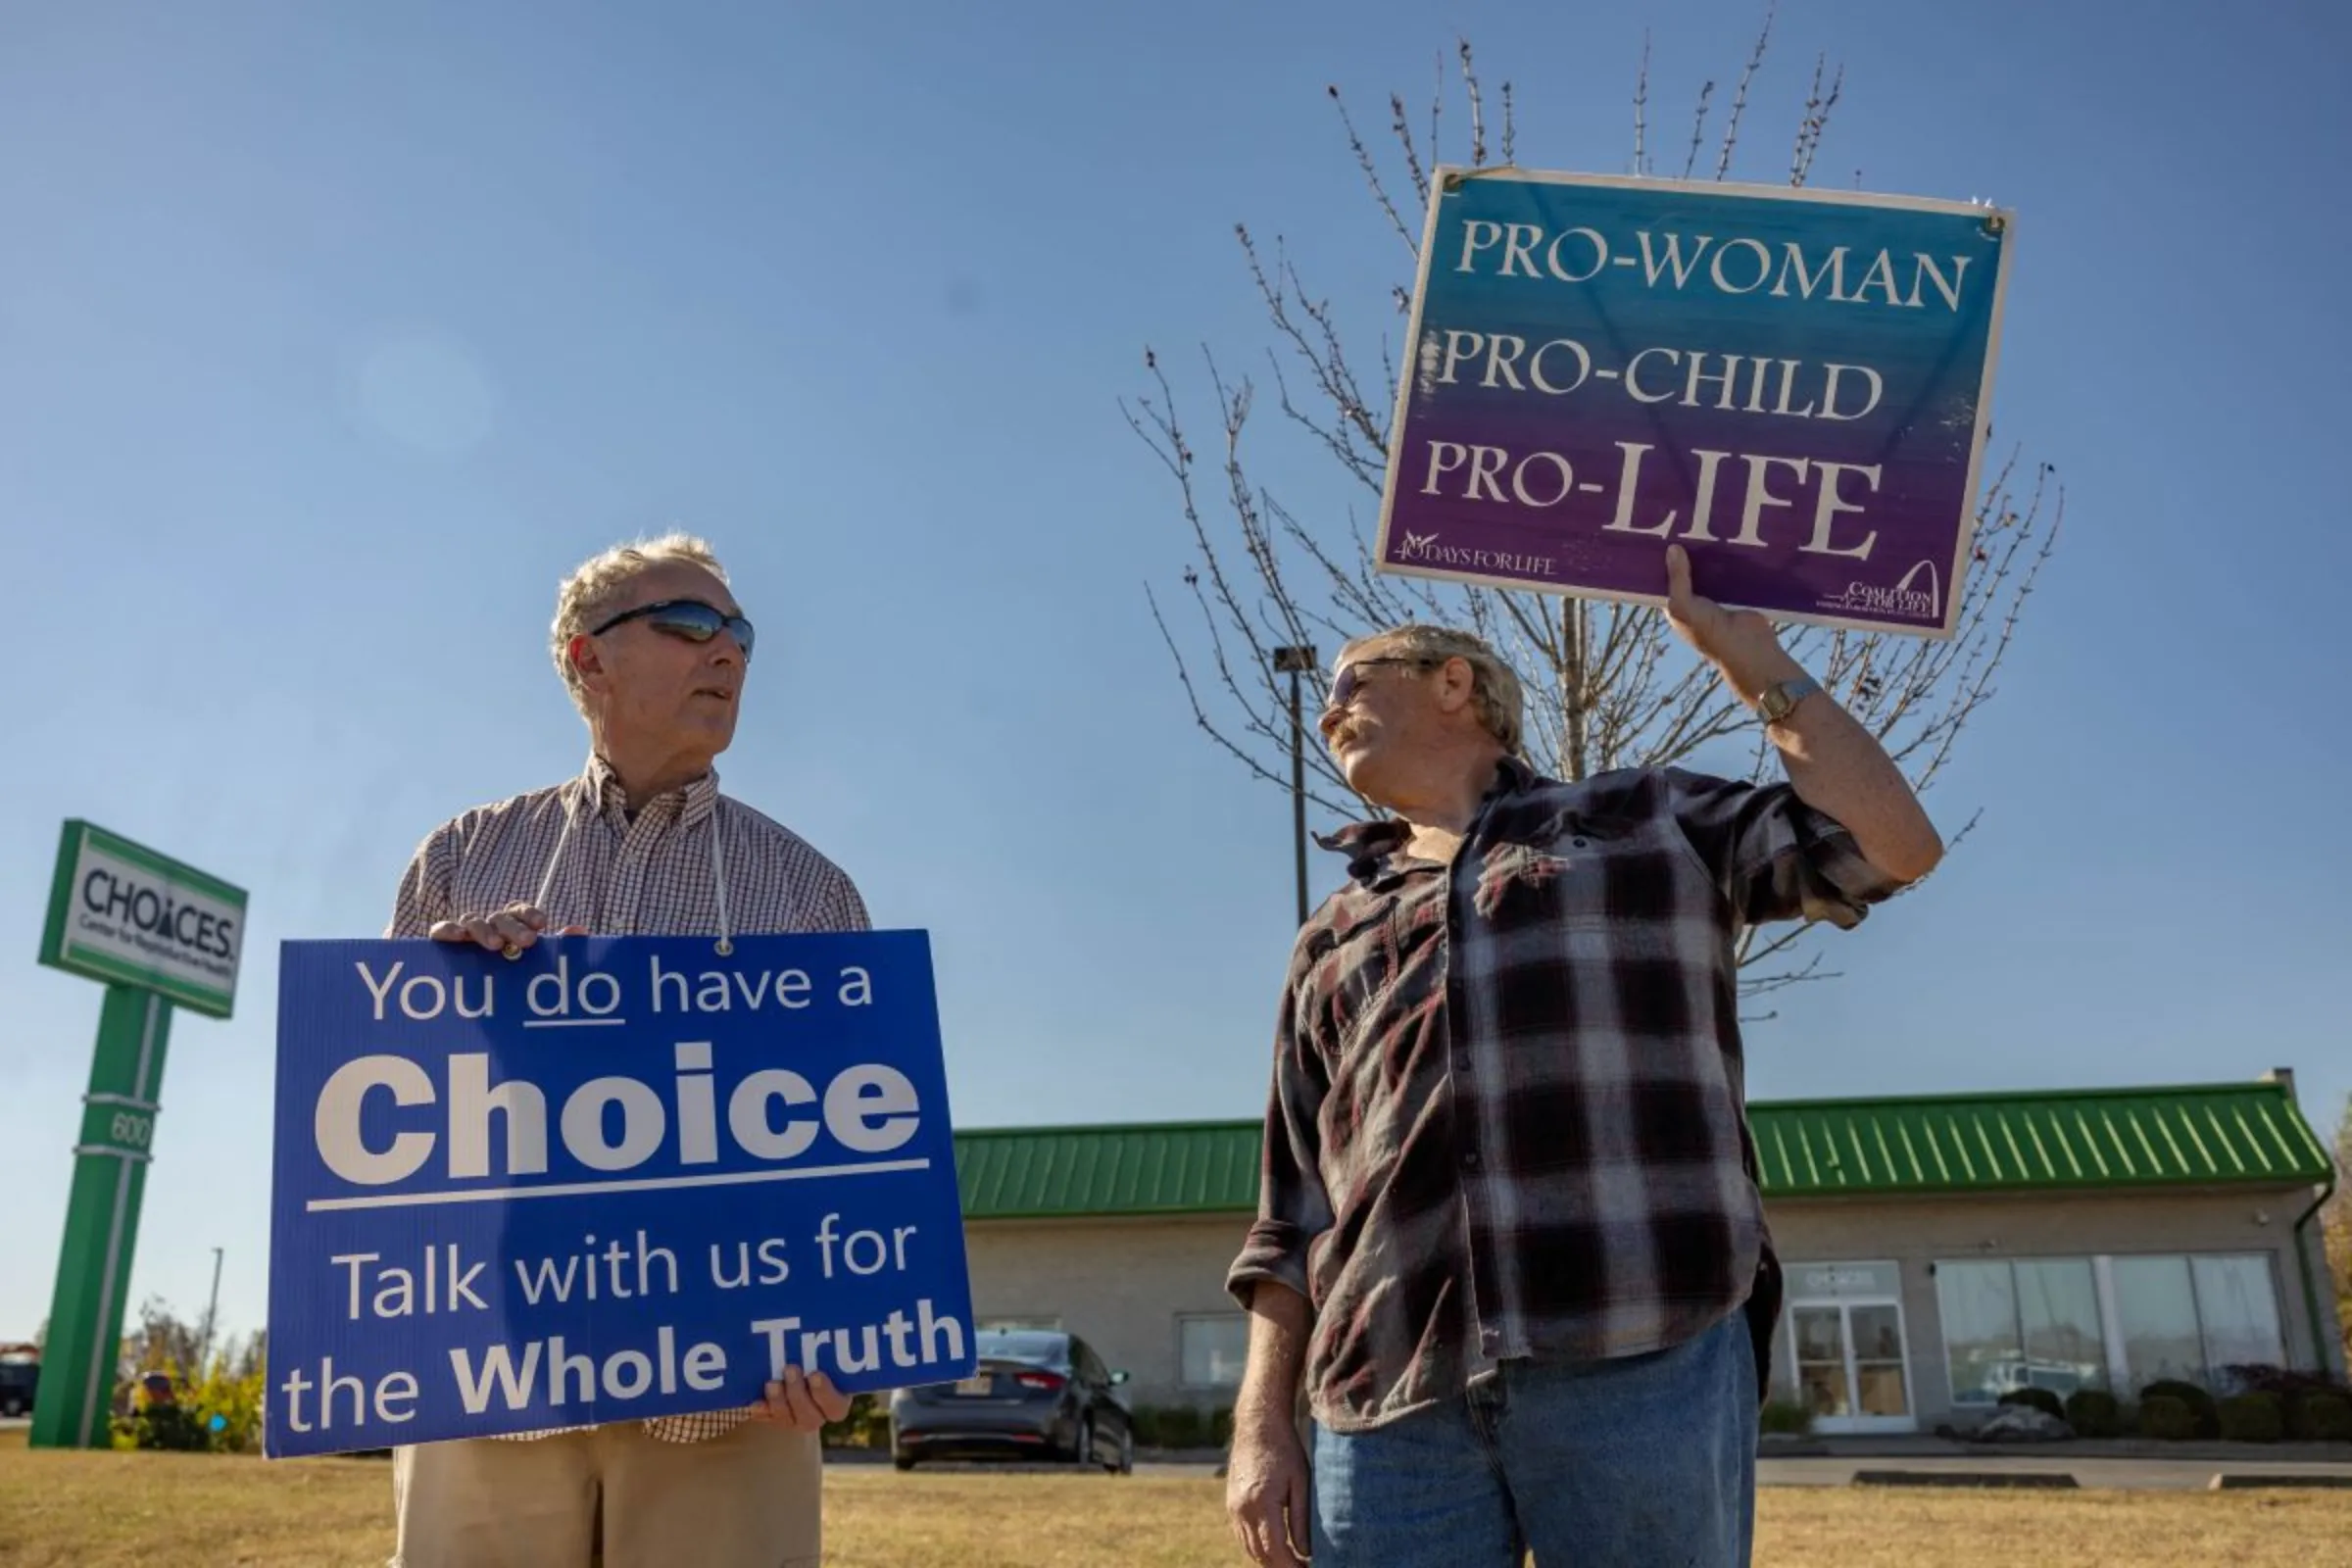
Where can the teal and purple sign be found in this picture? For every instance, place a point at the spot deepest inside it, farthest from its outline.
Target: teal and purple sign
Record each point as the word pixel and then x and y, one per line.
pixel 1795 385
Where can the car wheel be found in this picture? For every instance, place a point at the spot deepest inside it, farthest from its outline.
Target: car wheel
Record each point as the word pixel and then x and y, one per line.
pixel 1084 1449
pixel 1126 1464
pixel 903 1461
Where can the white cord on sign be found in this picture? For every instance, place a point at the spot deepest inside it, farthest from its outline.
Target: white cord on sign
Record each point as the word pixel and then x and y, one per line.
pixel 547 882
pixel 718 883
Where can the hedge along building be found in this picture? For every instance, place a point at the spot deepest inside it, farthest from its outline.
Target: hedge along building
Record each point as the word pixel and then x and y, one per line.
pixel 1940 1250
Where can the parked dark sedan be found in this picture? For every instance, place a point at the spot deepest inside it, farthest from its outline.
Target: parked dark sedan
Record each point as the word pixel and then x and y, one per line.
pixel 1036 1394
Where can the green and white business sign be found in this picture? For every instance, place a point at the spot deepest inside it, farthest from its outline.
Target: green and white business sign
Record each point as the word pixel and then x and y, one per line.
pixel 122 913
pixel 159 934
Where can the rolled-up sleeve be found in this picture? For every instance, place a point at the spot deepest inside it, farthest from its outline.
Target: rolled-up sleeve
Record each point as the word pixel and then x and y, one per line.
pixel 1774 856
pixel 1292 1205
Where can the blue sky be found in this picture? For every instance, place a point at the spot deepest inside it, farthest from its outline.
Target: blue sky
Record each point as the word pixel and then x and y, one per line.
pixel 330 337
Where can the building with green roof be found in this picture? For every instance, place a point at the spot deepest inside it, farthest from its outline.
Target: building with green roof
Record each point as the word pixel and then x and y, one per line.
pixel 1940 1250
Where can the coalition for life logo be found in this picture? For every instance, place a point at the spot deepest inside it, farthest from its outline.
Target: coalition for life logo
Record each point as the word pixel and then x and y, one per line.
pixel 1917 594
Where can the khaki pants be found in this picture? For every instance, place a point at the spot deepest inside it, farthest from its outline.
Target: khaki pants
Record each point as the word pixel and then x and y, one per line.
pixel 615 1495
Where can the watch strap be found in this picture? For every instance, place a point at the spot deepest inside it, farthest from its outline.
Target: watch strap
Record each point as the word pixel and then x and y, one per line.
pixel 1777 700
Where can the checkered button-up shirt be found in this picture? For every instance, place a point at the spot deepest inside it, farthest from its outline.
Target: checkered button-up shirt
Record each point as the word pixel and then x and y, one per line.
pixel 650 874
pixel 1508 1113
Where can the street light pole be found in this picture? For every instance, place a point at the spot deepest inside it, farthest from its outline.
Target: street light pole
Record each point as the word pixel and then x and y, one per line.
pixel 204 1356
pixel 1295 662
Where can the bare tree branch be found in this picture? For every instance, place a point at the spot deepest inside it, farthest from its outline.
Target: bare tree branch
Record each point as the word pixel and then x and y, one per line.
pixel 1698 127
pixel 1478 108
pixel 1364 161
pixel 1641 109
pixel 1756 62
pixel 1815 123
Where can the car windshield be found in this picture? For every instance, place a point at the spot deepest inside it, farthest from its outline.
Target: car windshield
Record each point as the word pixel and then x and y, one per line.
pixel 1009 1344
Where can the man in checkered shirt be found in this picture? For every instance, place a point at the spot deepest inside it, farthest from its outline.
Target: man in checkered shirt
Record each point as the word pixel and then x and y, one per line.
pixel 654 649
pixel 1509 1236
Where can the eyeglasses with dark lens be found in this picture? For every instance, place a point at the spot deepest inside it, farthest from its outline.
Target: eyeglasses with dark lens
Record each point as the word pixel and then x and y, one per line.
pixel 689 618
pixel 1347 681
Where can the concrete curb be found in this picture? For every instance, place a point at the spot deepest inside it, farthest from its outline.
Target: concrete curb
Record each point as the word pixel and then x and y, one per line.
pixel 2241 1482
pixel 2056 1479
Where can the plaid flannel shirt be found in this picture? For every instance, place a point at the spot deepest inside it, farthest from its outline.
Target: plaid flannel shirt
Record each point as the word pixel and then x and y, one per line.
pixel 620 875
pixel 1509 1112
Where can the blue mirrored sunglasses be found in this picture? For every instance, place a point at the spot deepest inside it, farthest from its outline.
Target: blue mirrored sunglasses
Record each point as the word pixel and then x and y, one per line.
pixel 689 618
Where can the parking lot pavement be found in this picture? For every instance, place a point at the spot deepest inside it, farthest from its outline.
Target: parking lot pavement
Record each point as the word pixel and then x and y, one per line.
pixel 2097 1472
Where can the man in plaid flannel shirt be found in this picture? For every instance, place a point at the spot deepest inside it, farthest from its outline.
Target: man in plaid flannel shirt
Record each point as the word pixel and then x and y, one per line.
pixel 1510 1238
pixel 654 649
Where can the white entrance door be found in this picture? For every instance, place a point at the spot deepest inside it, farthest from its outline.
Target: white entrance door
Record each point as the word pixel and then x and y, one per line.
pixel 1851 1370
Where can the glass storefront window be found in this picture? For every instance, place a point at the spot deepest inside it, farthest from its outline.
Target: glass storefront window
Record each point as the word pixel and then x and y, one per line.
pixel 2238 1315
pixel 1213 1350
pixel 2156 1312
pixel 1981 1336
pixel 2058 1304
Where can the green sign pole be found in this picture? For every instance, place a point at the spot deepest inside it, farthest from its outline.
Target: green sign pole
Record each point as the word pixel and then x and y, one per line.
pixel 160 934
pixel 101 1222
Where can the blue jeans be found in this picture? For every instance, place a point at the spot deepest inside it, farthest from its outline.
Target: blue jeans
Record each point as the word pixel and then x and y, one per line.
pixel 1649 1461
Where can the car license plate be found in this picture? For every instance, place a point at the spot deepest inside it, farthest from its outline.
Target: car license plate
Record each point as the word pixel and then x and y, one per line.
pixel 979 1384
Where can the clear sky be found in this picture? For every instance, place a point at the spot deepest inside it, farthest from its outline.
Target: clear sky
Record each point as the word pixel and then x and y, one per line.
pixel 331 336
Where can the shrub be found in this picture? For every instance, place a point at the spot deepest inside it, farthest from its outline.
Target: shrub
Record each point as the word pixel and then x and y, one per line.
pixel 2321 1415
pixel 866 1426
pixel 1182 1427
pixel 2042 1399
pixel 1788 1417
pixel 171 1427
pixel 2167 1418
pixel 2262 1378
pixel 2253 1419
pixel 218 1414
pixel 230 1408
pixel 2093 1413
pixel 2205 1418
pixel 1221 1427
pixel 2317 1405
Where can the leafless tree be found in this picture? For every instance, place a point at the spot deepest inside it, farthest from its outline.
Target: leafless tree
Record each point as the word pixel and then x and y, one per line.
pixel 1610 686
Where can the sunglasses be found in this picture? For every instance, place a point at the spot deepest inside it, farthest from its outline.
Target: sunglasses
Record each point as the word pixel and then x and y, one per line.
pixel 1349 681
pixel 687 619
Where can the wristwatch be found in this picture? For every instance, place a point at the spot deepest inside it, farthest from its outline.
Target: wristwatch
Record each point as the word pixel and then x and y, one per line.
pixel 1777 700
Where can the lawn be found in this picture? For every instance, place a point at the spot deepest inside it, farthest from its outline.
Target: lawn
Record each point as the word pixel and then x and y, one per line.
pixel 105 1510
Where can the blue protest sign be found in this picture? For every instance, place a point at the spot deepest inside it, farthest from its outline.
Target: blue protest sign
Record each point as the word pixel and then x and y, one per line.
pixel 1795 385
pixel 612 1179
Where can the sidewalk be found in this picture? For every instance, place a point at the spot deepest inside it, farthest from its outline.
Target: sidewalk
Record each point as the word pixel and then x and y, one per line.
pixel 2130 1464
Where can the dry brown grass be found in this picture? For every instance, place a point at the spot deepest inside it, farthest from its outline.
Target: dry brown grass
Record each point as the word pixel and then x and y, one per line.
pixel 104 1510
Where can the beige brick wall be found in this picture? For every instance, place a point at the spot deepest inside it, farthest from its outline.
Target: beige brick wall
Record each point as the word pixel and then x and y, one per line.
pixel 1118 1283
pixel 1917 1232
pixel 1123 1283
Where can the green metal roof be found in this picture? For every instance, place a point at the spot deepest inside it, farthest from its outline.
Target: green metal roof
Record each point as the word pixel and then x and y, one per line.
pixel 2050 1140
pixel 1163 1168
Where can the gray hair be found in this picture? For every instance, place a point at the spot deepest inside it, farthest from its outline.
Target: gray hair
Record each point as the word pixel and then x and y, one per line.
pixel 596 583
pixel 1495 690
